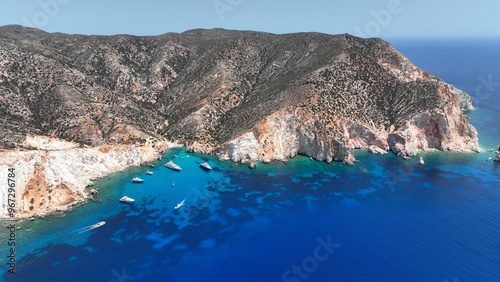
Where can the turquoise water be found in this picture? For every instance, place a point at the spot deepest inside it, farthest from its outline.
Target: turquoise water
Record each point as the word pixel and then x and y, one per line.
pixel 385 219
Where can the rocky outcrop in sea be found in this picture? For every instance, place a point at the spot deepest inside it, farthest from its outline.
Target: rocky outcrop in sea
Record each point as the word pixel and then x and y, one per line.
pixel 497 158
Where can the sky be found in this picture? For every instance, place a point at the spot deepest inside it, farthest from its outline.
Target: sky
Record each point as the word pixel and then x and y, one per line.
pixel 365 18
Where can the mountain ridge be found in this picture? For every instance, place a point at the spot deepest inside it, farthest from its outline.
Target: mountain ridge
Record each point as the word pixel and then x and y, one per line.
pixel 75 107
pixel 205 86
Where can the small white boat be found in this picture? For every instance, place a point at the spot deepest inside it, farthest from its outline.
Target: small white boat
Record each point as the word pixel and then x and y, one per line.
pixel 149 172
pixel 173 166
pixel 126 199
pixel 206 166
pixel 175 156
pixel 137 180
pixel 188 156
pixel 100 224
pixel 421 161
pixel 180 204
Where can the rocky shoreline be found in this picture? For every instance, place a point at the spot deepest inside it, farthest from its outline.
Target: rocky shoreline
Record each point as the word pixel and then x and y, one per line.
pixel 288 133
pixel 55 180
pixel 54 177
pixel 110 102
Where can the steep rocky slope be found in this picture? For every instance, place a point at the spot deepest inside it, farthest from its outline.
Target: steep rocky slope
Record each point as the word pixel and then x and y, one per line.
pixel 218 90
pixel 242 95
pixel 54 174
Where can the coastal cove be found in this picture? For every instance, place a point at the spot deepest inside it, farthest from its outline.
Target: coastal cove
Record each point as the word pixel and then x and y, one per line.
pixel 384 219
pixel 233 214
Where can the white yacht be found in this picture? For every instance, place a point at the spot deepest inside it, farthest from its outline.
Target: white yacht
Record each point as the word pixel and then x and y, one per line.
pixel 149 172
pixel 173 166
pixel 137 180
pixel 126 199
pixel 206 166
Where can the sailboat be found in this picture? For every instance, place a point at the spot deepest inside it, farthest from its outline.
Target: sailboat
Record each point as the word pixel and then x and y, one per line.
pixel 421 161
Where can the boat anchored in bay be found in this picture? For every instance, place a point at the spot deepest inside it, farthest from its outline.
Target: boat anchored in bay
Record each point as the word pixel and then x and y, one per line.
pixel 173 166
pixel 205 166
pixel 137 180
pixel 126 199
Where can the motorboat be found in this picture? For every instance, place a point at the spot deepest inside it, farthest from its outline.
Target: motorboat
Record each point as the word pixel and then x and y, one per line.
pixel 99 224
pixel 137 180
pixel 149 172
pixel 180 204
pixel 173 166
pixel 126 199
pixel 205 166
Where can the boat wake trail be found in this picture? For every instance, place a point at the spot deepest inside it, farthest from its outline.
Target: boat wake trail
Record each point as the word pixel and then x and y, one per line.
pixel 88 228
pixel 73 236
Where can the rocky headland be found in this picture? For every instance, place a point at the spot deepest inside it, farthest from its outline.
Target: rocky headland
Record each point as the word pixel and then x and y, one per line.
pixel 242 95
pixel 54 173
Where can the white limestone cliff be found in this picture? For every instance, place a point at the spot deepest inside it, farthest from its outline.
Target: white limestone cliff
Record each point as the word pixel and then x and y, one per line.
pixel 290 132
pixel 47 180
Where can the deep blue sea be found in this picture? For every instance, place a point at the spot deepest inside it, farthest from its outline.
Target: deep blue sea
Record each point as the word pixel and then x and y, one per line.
pixel 385 219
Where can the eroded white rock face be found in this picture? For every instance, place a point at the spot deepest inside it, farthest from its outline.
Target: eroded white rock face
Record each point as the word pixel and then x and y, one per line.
pixel 361 136
pixel 49 180
pixel 288 133
pixel 244 148
pixel 284 135
pixel 446 130
pixel 376 150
